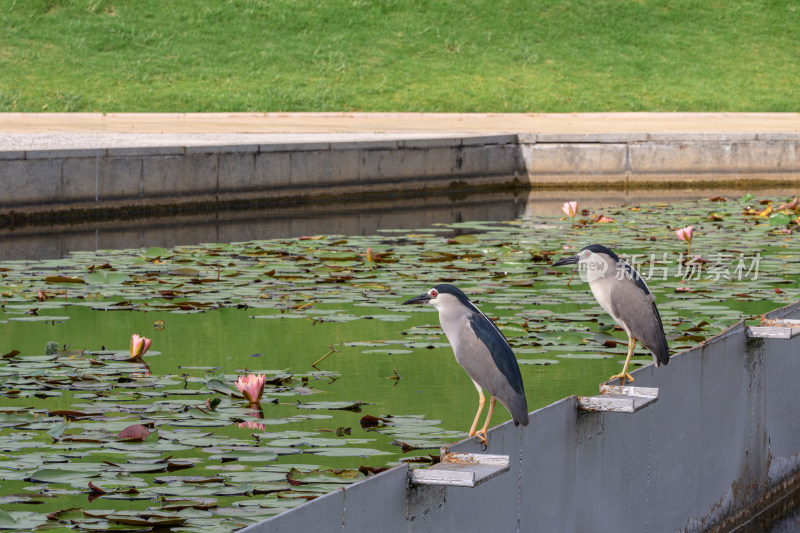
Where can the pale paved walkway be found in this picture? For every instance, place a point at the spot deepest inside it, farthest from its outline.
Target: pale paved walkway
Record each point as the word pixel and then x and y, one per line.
pixel 42 131
pixel 399 122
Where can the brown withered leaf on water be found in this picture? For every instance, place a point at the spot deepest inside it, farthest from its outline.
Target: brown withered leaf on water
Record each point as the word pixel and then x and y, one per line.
pixel 63 279
pixel 369 421
pixel 135 432
pixel 601 219
pixel 792 206
pixel 372 470
pixel 405 446
pixel 609 343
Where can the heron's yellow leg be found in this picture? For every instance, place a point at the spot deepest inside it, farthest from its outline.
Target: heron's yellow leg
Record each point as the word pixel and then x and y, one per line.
pixel 624 374
pixel 482 433
pixel 481 403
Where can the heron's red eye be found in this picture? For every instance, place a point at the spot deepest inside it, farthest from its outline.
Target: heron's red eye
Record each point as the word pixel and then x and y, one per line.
pixel 434 294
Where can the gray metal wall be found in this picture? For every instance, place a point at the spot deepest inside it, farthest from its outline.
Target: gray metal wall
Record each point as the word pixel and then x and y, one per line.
pixel 723 435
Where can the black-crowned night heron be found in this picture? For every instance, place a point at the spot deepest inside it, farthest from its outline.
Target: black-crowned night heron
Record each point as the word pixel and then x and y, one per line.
pixel 482 350
pixel 624 295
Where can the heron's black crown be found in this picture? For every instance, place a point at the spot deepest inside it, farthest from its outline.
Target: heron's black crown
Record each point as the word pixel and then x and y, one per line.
pixel 600 249
pixel 446 288
pixel 625 267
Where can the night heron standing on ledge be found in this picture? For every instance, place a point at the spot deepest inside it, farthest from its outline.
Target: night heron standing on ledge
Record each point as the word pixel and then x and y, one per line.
pixel 624 295
pixel 482 351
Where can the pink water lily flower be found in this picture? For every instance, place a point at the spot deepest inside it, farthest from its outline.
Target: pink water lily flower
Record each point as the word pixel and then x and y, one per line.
pixel 252 425
pixel 685 234
pixel 570 208
pixel 251 386
pixel 139 346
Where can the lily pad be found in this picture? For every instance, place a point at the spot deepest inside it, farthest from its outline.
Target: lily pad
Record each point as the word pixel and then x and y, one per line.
pixel 347 452
pixel 346 406
pixel 61 476
pixel 105 278
pixel 585 355
pixel 44 318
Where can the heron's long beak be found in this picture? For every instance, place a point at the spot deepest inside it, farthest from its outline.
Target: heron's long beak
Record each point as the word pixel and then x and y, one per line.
pixel 421 299
pixel 571 260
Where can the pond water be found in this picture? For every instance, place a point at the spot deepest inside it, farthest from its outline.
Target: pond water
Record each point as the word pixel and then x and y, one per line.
pixel 390 391
pixel 351 218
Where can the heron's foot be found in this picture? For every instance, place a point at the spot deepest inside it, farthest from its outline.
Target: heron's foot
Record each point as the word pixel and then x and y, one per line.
pixel 481 434
pixel 621 376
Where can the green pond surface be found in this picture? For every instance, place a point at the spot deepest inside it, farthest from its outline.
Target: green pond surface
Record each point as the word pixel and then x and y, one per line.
pixel 391 391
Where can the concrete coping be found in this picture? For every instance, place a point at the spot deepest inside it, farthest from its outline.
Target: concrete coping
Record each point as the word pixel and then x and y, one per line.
pixel 16 145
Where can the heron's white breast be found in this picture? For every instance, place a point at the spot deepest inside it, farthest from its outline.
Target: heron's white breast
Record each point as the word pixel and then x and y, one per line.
pixel 601 288
pixel 452 324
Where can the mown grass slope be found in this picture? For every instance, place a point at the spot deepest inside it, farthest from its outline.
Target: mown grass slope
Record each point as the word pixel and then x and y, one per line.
pixel 399 55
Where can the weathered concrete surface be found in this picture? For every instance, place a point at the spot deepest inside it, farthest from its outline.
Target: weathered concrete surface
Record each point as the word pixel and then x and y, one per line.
pixel 642 160
pixel 100 178
pixel 90 162
pixel 414 123
pixel 720 443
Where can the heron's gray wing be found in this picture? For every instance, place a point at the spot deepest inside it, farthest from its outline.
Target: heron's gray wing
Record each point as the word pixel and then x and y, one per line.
pixel 637 309
pixel 508 380
pixel 503 357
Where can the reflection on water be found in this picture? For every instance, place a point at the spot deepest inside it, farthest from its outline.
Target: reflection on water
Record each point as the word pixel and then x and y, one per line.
pixel 351 218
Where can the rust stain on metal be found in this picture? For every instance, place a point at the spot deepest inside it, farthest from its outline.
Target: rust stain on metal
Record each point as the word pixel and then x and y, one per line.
pixel 754 506
pixel 458 458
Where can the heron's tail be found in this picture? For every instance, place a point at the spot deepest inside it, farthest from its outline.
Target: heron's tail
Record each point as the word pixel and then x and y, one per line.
pixel 519 412
pixel 659 348
pixel 661 352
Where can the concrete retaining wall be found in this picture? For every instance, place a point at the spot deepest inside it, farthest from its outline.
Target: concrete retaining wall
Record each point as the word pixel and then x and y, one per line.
pixel 105 178
pixel 722 441
pixel 84 179
pixel 640 160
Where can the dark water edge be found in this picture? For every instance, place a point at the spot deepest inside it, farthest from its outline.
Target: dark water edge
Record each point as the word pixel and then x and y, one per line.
pixel 35 241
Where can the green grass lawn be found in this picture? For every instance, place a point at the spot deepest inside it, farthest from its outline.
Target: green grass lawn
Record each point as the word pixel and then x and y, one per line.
pixel 399 55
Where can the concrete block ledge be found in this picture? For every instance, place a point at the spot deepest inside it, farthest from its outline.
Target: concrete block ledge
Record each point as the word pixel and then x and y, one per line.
pixel 101 177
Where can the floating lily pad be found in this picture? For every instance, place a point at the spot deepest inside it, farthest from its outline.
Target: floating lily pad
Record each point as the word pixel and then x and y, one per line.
pixel 62 476
pixel 44 318
pixel 585 355
pixel 324 476
pixel 347 452
pixel 346 406
pixel 387 351
pixel 105 278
